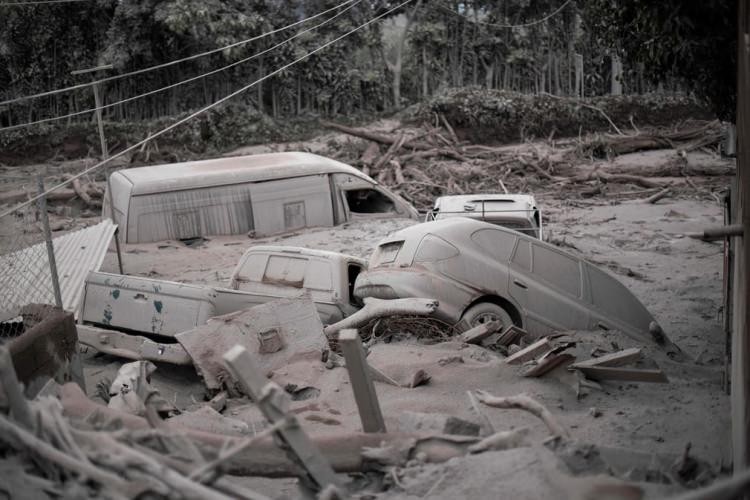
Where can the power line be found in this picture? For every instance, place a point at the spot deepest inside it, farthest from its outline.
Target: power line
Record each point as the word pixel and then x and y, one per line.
pixel 182 82
pixel 507 26
pixel 202 110
pixel 38 2
pixel 170 63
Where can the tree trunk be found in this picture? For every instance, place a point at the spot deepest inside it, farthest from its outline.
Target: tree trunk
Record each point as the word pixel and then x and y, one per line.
pixel 260 84
pixel 616 87
pixel 425 87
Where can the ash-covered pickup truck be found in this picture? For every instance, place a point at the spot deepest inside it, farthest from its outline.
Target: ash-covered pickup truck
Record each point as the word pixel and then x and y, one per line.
pixel 138 317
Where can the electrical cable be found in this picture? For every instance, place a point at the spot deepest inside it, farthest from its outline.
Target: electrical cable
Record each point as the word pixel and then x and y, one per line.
pixel 38 2
pixel 202 110
pixel 182 82
pixel 510 26
pixel 169 63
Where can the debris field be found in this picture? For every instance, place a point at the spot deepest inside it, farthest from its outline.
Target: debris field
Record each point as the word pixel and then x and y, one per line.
pixel 389 402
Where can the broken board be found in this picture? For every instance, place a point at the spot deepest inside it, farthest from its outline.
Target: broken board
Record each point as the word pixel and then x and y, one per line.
pixel 274 334
pixel 624 374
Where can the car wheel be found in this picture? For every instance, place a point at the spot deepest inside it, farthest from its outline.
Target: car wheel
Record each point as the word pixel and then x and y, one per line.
pixel 484 312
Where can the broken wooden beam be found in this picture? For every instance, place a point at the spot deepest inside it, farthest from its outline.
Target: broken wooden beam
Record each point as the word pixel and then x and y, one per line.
pixel 272 400
pixel 547 363
pixel 480 332
pixel 658 196
pixel 530 352
pixel 612 359
pixel 359 376
pixel 511 335
pixel 623 374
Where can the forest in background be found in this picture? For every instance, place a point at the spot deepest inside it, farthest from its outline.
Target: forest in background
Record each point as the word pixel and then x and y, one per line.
pixel 564 48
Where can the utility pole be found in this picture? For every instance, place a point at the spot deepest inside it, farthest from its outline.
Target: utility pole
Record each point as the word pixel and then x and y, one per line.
pixel 103 143
pixel 97 103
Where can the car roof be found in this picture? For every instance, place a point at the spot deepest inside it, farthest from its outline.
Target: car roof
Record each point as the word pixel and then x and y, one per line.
pixel 460 228
pixel 492 202
pixel 231 170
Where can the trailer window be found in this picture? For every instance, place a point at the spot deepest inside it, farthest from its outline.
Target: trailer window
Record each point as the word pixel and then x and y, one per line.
pixel 368 201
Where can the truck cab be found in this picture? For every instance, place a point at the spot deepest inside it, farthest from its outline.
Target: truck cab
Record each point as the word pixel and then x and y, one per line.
pixel 513 211
pixel 328 277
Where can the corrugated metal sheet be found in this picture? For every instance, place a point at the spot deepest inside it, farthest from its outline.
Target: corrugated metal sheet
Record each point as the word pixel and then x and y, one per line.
pixel 25 277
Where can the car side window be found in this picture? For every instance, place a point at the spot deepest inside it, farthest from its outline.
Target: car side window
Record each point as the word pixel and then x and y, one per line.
pixel 498 244
pixel 557 269
pixel 522 257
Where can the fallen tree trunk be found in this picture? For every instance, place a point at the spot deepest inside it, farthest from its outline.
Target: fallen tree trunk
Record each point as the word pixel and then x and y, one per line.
pixel 671 169
pixel 377 308
pixel 20 196
pixel 374 136
pixel 689 138
pixel 344 452
pixel 596 174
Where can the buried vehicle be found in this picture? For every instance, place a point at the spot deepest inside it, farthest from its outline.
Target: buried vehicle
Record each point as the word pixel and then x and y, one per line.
pixel 481 272
pixel 260 195
pixel 514 211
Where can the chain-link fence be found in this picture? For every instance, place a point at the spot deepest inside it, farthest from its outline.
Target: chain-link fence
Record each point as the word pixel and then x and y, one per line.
pixel 27 274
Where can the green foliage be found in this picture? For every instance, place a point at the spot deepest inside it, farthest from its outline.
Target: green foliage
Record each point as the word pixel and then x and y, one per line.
pixel 692 41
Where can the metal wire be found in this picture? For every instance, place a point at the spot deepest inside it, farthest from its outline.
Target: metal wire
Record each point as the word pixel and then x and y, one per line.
pixel 171 63
pixel 182 82
pixel 203 110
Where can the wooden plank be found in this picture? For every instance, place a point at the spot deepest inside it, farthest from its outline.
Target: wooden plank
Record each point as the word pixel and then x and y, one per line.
pixel 740 370
pixel 618 358
pixel 359 376
pixel 529 352
pixel 272 400
pixel 480 332
pixel 511 335
pixel 624 374
pixel 549 363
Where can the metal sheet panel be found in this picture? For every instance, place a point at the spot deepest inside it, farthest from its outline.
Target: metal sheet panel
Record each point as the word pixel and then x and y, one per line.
pixel 76 254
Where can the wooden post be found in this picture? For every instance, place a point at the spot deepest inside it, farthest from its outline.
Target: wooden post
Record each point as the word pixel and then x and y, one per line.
pixel 359 376
pixel 272 401
pixel 54 277
pixel 740 371
pixel 98 105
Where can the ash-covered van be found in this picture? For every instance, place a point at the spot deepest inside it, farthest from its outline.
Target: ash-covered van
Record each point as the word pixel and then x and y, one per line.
pixel 259 194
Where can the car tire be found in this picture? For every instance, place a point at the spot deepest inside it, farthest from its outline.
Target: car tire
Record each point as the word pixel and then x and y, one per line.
pixel 484 312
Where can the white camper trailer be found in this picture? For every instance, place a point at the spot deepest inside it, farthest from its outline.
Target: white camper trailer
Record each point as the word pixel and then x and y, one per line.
pixel 259 194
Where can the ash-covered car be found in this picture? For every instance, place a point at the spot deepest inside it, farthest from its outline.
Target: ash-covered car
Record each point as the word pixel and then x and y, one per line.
pixel 514 211
pixel 481 272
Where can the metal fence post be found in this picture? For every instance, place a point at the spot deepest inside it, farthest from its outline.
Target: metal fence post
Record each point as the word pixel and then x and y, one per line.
pixel 42 204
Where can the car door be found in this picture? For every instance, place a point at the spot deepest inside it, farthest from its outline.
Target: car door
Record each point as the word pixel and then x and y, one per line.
pixel 549 286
